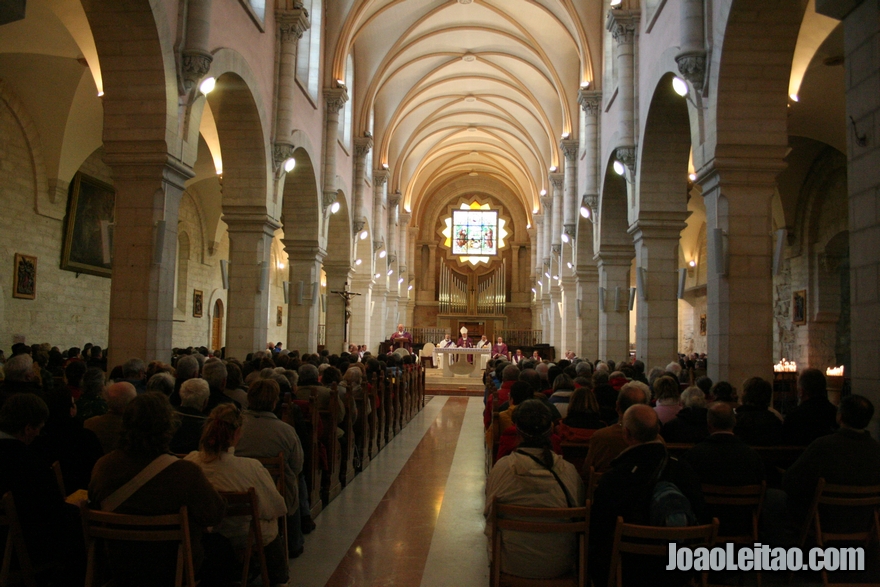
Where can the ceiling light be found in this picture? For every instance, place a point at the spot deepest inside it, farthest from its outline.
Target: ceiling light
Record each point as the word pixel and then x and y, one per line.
pixel 334 208
pixel 468 57
pixel 794 97
pixel 565 237
pixel 101 93
pixel 289 164
pixel 692 263
pixel 364 235
pixel 680 86
pixel 390 271
pixel 382 254
pixel 585 212
pixel 470 99
pixel 692 176
pixel 619 168
pixel 207 85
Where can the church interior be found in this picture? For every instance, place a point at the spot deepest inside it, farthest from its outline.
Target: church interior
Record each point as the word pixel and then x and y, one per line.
pixel 607 179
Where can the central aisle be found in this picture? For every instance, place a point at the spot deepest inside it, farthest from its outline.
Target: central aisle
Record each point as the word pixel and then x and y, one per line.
pixel 415 516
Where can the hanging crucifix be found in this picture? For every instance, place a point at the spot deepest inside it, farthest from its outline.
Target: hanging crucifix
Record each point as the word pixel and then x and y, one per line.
pixel 346 295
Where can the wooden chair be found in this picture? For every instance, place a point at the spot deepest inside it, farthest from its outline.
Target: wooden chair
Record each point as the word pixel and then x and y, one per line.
pixel 539 521
pixel 654 541
pixel 245 504
pixel 312 461
pixel 15 546
pixel 276 468
pixel 592 481
pixel 733 501
pixel 859 499
pixel 127 528
pixel 426 355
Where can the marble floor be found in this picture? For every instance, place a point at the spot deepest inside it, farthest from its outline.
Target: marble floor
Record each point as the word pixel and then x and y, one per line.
pixel 414 517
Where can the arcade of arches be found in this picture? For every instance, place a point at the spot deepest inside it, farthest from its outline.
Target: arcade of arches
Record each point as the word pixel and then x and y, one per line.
pixel 671 175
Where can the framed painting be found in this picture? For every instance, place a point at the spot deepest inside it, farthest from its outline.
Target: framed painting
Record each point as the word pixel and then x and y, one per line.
pixel 24 278
pixel 702 325
pixel 279 320
pixel 198 298
pixel 87 237
pixel 799 307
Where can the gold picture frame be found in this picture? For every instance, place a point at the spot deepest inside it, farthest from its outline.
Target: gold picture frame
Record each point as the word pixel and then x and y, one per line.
pixel 799 307
pixel 24 277
pixel 198 302
pixel 91 209
pixel 279 320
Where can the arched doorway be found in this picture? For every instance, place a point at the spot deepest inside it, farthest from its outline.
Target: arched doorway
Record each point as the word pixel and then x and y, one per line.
pixel 217 326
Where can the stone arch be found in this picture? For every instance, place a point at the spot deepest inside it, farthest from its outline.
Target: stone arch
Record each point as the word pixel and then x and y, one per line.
pixel 339 237
pixel 32 138
pixel 301 206
pixel 611 221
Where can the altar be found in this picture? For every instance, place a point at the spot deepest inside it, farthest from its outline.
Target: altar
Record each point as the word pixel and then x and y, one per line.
pixel 455 361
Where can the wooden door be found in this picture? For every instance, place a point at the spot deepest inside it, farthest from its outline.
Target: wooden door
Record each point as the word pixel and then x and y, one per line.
pixel 217 326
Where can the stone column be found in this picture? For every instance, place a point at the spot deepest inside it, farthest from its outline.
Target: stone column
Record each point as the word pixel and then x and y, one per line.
pixel 569 314
pixel 570 150
pixel 380 207
pixel 740 292
pixel 515 286
pixel 361 320
pixel 861 26
pixel 251 232
pixel 336 99
pixel 362 146
pixel 556 183
pixel 431 282
pixel 623 25
pixel 656 237
pixel 538 248
pixel 141 291
pixel 614 268
pixel 337 277
pixel 291 26
pixel 590 102
pixel 588 293
pixel 691 59
pixel 196 56
pixel 303 318
pixel 547 215
pixel 393 242
pixel 377 314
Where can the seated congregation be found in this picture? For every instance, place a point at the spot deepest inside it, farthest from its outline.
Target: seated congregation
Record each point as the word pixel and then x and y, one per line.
pixel 604 453
pixel 199 444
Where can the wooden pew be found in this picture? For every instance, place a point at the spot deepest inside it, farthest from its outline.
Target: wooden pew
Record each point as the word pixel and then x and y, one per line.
pixel 346 472
pixel 330 486
pixel 377 424
pixel 576 453
pixel 362 426
pixel 311 448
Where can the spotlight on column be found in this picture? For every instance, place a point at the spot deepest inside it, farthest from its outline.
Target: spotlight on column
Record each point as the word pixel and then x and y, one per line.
pixel 334 208
pixel 409 288
pixel 315 290
pixel 224 273
pixel 300 286
pixel 364 234
pixel 565 238
pixel 400 280
pixel 640 282
pixel 382 253
pixel 390 272
pixel 682 278
pixel 289 164
pixel 779 250
pixel 358 262
pixel 619 168
pixel 553 169
pixel 547 274
pixel 159 246
pixel 632 298
pixel 264 276
pixel 286 285
pixel 679 86
pixel 585 211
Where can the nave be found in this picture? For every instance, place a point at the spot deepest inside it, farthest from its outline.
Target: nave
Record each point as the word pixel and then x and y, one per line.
pixel 415 515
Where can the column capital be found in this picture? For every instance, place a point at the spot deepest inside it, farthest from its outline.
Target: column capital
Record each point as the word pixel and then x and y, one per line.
pixel 623 25
pixel 659 224
pixel 380 177
pixel 292 23
pixel 590 101
pixel 362 146
pixel 615 255
pixel 335 98
pixel 404 218
pixel 556 180
pixel 626 154
pixel 249 219
pixel 303 251
pixel 569 148
pixel 194 65
pixel 761 168
pixel 692 66
pixel 394 199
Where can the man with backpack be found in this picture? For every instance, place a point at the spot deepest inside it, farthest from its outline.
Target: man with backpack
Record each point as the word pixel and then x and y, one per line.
pixel 644 486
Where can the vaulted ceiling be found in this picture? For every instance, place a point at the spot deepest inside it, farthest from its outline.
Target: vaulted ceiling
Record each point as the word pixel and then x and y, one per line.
pixel 464 87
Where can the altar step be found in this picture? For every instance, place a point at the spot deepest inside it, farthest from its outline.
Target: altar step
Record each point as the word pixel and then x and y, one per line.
pixel 437 384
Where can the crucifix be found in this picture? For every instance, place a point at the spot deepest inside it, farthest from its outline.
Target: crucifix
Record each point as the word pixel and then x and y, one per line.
pixel 346 295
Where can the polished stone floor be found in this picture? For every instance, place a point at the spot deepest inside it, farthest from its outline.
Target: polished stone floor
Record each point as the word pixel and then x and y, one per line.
pixel 414 516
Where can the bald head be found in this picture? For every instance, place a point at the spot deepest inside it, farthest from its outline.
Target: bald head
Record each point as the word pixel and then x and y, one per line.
pixel 720 418
pixel 640 424
pixel 118 395
pixel 632 393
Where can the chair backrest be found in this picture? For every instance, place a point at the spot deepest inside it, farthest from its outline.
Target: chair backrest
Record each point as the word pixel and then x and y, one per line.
pixel 245 503
pixel 538 521
pixel 14 544
pixel 275 466
pixel 131 528
pixel 859 499
pixel 734 499
pixel 654 541
pixel 427 350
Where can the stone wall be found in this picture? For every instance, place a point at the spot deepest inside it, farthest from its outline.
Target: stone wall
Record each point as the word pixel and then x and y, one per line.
pixel 69 309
